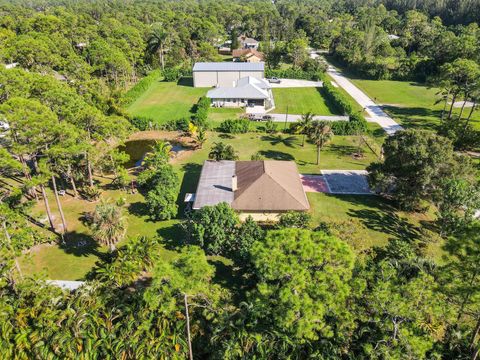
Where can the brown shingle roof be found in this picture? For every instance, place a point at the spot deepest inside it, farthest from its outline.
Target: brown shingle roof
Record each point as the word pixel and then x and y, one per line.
pixel 268 186
pixel 237 53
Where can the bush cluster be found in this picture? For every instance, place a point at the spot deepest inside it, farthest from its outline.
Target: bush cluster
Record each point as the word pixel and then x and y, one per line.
pixel 173 125
pixel 235 126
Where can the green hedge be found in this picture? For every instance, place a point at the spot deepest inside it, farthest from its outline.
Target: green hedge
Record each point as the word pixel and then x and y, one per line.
pixel 134 93
pixel 235 126
pixel 294 74
pixel 200 117
pixel 356 124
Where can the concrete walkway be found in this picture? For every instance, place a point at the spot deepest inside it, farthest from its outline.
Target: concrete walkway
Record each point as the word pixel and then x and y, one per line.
pixel 374 111
pixel 294 83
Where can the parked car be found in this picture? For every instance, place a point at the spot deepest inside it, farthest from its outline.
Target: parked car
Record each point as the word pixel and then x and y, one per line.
pixel 274 80
pixel 4 126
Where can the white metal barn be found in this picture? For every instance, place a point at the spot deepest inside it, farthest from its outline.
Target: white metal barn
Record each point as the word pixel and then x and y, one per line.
pixel 225 74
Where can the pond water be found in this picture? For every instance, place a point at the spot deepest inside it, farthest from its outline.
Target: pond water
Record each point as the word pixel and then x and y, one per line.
pixel 138 148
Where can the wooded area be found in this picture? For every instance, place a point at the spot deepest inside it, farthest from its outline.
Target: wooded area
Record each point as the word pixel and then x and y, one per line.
pixel 207 283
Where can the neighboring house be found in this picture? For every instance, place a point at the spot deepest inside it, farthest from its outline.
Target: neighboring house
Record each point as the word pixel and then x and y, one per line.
pixel 248 91
pixel 208 74
pixel 247 43
pixel 262 189
pixel 248 55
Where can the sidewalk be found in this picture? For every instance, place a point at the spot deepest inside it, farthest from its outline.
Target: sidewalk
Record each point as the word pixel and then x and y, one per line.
pixel 374 111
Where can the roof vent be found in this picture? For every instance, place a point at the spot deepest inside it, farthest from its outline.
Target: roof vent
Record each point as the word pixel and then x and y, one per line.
pixel 234 183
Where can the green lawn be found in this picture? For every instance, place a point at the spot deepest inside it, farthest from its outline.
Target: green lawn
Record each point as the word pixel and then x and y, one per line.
pixel 164 101
pixel 302 100
pixel 412 104
pixel 376 219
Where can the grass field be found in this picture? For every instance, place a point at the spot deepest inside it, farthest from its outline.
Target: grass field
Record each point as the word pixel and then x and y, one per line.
pixel 412 104
pixel 302 100
pixel 164 101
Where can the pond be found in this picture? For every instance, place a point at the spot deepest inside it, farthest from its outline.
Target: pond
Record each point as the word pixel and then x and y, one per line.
pixel 138 148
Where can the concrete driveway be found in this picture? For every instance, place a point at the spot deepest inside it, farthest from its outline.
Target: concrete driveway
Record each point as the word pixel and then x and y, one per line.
pixel 375 111
pixel 346 182
pixel 289 83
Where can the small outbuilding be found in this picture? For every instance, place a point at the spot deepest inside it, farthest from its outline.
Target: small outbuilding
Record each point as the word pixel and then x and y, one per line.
pixel 225 74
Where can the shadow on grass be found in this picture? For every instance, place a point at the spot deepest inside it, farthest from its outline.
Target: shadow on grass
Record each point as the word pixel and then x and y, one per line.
pixel 172 236
pixel 288 141
pixel 342 150
pixel 138 209
pixel 185 81
pixel 189 185
pixel 415 117
pixel 80 244
pixel 332 107
pixel 276 155
pixel 381 216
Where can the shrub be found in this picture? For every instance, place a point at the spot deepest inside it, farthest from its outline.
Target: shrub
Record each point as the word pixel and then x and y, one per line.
pixel 294 219
pixel 172 125
pixel 270 127
pixel 142 123
pixel 171 74
pixel 235 126
pixel 222 151
pixel 90 193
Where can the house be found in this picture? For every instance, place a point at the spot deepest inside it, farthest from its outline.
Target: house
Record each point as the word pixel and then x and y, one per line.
pixel 247 43
pixel 208 74
pixel 247 92
pixel 262 189
pixel 247 55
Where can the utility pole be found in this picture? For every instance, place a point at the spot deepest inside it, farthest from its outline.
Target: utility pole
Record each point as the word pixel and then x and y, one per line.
pixel 188 328
pixel 286 120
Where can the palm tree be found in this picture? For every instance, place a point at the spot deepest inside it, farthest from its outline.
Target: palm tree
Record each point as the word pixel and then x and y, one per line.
pixel 320 134
pixel 304 125
pixel 201 137
pixel 156 42
pixel 160 154
pixel 108 224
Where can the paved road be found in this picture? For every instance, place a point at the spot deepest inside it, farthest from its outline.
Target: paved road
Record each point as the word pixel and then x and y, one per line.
pixel 292 83
pixel 375 111
pixel 296 117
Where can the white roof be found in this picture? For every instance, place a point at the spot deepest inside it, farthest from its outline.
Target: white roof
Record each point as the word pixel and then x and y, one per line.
pixel 228 66
pixel 262 84
pixel 246 88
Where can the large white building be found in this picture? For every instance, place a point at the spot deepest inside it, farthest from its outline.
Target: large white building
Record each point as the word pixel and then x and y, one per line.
pixel 225 74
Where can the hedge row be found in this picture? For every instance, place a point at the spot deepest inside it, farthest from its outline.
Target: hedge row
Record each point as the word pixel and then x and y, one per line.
pixel 201 110
pixel 356 124
pixel 294 74
pixel 140 87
